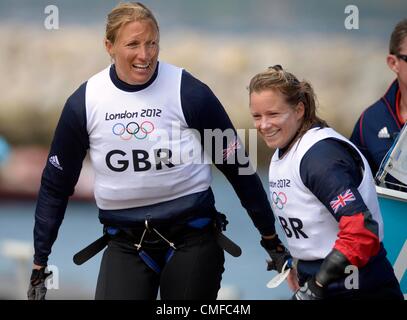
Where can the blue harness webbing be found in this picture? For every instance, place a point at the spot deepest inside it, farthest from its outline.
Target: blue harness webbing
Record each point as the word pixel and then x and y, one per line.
pixel 198 223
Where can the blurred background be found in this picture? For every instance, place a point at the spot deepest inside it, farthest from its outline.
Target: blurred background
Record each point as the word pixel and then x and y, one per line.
pixel 223 43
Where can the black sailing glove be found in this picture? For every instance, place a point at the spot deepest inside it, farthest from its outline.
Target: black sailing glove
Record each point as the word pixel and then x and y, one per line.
pixel 309 291
pixel 37 288
pixel 278 254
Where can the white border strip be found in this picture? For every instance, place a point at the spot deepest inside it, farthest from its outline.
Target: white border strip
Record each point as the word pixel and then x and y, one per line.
pixel 391 194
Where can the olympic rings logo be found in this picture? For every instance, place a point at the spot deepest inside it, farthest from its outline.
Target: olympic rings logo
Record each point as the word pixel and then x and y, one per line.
pixel 279 200
pixel 133 129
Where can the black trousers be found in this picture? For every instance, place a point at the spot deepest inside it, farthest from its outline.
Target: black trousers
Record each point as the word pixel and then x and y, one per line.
pixel 193 272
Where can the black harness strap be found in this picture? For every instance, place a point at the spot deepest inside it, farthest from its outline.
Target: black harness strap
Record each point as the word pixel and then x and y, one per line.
pixel 220 225
pixel 228 245
pixel 91 250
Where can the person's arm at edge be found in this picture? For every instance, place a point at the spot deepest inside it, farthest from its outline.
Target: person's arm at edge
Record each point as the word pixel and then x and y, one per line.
pixel 203 110
pixel 69 147
pixel 358 238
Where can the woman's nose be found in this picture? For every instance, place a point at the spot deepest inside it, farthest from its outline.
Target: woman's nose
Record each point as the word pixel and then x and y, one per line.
pixel 264 124
pixel 143 52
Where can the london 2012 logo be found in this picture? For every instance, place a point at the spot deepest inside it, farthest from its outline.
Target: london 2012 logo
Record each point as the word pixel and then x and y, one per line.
pixel 133 129
pixel 279 199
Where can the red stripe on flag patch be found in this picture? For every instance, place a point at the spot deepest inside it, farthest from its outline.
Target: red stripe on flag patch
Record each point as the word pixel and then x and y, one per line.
pixel 342 200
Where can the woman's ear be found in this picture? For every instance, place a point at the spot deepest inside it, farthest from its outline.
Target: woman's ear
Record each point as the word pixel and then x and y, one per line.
pixel 109 48
pixel 300 110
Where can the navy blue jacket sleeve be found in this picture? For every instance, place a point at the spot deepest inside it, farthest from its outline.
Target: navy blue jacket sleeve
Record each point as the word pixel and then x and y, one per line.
pixel 332 169
pixel 61 173
pixel 202 110
pixel 329 168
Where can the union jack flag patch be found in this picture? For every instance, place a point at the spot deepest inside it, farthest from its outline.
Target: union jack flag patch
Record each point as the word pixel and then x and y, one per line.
pixel 231 148
pixel 341 200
